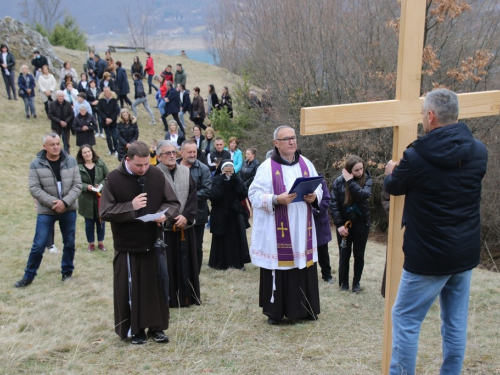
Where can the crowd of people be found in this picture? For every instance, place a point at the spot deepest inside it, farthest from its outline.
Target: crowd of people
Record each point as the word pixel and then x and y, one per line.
pixel 174 179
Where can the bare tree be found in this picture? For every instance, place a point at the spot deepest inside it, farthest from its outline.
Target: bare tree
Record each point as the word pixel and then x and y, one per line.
pixel 43 12
pixel 143 23
pixel 319 52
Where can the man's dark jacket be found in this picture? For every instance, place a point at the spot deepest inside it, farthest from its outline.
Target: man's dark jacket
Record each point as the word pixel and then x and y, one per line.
pixel 174 102
pixel 441 176
pixel 56 116
pixel 108 108
pixel 203 179
pixel 101 65
pixel 38 63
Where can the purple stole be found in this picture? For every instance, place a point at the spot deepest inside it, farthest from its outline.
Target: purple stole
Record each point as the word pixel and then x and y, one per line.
pixel 283 239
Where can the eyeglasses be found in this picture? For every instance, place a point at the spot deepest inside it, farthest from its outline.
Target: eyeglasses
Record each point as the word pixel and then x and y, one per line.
pixel 169 153
pixel 287 139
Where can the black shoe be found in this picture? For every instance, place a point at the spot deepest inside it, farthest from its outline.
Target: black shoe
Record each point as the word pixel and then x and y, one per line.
pixel 139 338
pixel 28 117
pixel 329 281
pixel 66 276
pixel 158 336
pixel 10 98
pixel 344 287
pixel 356 288
pixel 273 322
pixel 24 282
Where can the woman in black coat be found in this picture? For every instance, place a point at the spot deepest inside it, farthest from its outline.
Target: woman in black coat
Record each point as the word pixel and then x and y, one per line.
pixel 249 168
pixel 212 99
pixel 93 91
pixel 127 132
pixel 8 70
pixel 107 80
pixel 84 83
pixel 122 86
pixel 228 220
pixel 350 196
pixel 84 126
pixel 226 101
pixel 137 67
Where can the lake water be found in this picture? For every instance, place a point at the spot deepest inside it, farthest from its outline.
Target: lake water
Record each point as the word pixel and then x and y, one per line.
pixel 197 55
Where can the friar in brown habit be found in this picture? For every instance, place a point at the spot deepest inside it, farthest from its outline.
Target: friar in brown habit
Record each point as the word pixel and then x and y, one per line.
pixel 132 190
pixel 184 283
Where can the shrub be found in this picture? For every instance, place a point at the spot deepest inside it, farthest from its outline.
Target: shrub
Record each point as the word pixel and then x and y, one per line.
pixel 68 35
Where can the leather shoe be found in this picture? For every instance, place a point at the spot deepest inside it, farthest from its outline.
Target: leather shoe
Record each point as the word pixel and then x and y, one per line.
pixel 356 288
pixel 24 282
pixel 344 287
pixel 329 281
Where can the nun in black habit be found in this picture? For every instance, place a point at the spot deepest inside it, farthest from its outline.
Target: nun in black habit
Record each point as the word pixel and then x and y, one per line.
pixel 228 220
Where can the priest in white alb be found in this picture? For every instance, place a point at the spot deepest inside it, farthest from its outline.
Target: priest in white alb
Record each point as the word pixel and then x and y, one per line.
pixel 283 235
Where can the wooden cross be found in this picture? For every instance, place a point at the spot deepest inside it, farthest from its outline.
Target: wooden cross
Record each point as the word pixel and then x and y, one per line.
pixel 404 114
pixel 282 229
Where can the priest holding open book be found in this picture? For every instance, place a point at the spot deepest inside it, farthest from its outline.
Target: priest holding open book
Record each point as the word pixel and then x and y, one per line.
pixel 284 236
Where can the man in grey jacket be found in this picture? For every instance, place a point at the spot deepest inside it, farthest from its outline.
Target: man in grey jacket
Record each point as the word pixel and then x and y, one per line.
pixel 55 183
pixel 203 179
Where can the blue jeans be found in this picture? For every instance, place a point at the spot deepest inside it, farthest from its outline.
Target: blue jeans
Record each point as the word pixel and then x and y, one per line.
pixel 110 136
pixel 29 105
pixel 44 228
pixel 416 295
pixel 150 83
pixel 161 106
pixel 89 230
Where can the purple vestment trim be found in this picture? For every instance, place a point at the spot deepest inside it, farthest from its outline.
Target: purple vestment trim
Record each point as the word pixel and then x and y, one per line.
pixel 283 238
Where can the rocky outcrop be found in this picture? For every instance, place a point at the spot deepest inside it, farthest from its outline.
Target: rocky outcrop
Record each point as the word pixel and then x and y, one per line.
pixel 22 40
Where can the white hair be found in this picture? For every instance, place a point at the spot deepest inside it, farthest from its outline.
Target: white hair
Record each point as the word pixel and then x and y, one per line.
pixel 164 143
pixel 277 130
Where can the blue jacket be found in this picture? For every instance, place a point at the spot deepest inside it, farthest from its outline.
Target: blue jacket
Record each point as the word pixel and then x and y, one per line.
pixel 121 82
pixel 174 102
pixel 321 217
pixel 23 86
pixel 237 159
pixel 441 176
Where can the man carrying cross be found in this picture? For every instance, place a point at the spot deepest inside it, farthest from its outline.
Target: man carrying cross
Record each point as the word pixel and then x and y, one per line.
pixel 441 175
pixel 284 235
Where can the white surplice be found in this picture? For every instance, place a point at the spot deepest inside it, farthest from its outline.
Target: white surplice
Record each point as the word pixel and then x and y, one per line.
pixel 264 248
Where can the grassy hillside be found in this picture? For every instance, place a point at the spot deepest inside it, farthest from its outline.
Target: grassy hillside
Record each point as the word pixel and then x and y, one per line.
pixel 57 328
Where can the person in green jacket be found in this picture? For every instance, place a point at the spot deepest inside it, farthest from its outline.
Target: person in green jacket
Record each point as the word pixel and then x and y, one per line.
pixel 93 171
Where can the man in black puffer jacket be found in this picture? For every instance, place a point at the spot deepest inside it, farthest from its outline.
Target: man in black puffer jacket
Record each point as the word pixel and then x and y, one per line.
pixel 441 175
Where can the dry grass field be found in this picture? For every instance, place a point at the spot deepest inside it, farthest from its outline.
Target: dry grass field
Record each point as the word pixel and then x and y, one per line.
pixel 55 328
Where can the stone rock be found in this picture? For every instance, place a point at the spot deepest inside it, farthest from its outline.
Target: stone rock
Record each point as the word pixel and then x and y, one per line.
pixel 22 40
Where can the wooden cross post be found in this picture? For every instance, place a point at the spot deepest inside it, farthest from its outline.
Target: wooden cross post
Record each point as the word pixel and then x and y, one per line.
pixel 404 114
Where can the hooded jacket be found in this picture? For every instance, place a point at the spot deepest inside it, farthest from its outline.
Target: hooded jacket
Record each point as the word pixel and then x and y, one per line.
pixel 126 133
pixel 108 109
pixel 180 77
pixel 441 176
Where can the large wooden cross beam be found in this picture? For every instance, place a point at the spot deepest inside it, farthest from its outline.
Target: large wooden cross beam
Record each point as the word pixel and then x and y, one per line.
pixel 404 114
